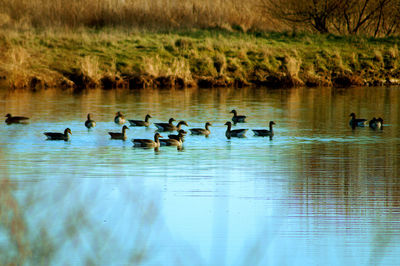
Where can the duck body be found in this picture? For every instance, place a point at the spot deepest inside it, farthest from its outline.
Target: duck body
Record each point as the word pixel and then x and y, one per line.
pixel 237 133
pixel 16 119
pixel 118 135
pixel 161 126
pixel 89 123
pixel 119 118
pixel 58 136
pixel 357 122
pixel 201 131
pixel 181 135
pixel 170 126
pixel 171 142
pixel 140 123
pixel 148 143
pixel 376 123
pixel 238 118
pixel 265 132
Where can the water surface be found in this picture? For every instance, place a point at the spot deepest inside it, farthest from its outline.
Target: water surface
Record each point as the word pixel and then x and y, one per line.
pixel 318 193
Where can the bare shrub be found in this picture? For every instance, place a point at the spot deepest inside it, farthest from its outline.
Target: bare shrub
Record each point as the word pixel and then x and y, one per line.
pixel 372 17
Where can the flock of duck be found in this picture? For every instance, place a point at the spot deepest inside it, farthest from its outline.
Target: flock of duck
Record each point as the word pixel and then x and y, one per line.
pixel 178 139
pixel 374 123
pixel 173 139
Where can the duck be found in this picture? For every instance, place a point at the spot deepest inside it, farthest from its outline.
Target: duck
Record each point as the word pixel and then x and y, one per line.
pixel 141 123
pixel 265 132
pixel 170 127
pixel 148 143
pixel 89 122
pixel 16 119
pixel 181 135
pixel 357 122
pixel 119 118
pixel 201 131
pixel 172 142
pixel 117 135
pixel 238 133
pixel 58 136
pixel 237 118
pixel 376 123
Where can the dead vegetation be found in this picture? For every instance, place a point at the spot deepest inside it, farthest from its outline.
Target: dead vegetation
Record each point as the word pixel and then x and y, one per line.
pixel 156 14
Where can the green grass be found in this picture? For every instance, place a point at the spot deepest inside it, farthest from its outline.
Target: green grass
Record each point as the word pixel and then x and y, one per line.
pixel 193 55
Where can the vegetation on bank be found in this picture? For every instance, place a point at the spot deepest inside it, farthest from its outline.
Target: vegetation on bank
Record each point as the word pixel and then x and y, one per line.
pixel 376 18
pixel 206 58
pixel 172 43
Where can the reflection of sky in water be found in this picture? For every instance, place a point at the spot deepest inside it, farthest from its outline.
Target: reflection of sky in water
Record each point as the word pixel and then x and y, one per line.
pixel 318 191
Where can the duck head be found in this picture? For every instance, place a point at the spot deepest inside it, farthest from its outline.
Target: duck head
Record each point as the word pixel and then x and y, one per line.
pixel 67 130
pixel 229 124
pixel 156 136
pixel 182 132
pixel 183 123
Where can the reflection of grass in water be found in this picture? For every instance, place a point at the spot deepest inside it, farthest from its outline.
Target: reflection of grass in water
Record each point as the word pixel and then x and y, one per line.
pixel 14 225
pixel 45 227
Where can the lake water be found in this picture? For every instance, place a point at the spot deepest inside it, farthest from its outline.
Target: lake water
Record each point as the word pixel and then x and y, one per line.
pixel 318 193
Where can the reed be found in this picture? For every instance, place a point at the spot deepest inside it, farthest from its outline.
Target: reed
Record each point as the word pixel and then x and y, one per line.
pixel 155 14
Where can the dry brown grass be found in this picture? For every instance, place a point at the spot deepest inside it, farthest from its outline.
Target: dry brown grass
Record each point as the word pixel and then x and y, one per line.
pixel 179 67
pixel 90 67
pixel 155 14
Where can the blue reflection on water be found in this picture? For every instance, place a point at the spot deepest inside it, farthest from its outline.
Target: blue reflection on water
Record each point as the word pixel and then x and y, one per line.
pixel 319 191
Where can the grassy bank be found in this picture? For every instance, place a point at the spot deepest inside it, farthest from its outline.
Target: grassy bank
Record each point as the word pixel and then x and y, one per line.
pixel 208 58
